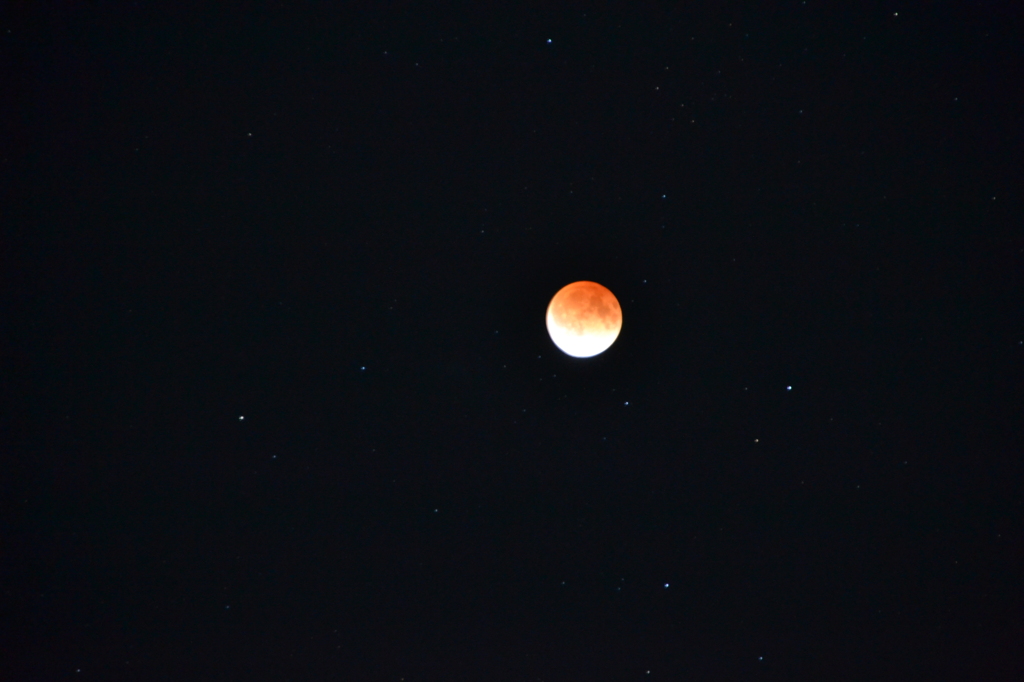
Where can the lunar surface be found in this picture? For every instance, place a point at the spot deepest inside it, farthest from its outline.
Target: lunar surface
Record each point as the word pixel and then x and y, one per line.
pixel 584 319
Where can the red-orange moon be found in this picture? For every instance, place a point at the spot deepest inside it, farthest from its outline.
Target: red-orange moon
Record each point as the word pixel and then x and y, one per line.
pixel 584 319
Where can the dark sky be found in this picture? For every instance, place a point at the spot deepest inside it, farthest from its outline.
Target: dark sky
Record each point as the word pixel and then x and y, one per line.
pixel 278 398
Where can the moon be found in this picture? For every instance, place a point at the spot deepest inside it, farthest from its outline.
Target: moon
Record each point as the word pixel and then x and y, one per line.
pixel 584 319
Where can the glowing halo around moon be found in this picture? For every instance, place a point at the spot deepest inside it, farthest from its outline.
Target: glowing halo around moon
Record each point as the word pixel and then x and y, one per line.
pixel 584 319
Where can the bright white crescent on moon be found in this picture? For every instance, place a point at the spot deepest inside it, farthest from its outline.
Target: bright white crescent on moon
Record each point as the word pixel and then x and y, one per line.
pixel 584 319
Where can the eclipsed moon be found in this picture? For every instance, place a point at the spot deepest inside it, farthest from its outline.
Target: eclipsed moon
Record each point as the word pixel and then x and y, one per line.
pixel 584 319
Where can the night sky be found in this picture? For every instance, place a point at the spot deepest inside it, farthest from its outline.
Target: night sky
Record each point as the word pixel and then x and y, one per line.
pixel 278 399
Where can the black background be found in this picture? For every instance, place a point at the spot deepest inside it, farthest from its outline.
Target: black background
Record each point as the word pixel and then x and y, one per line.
pixel 344 222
